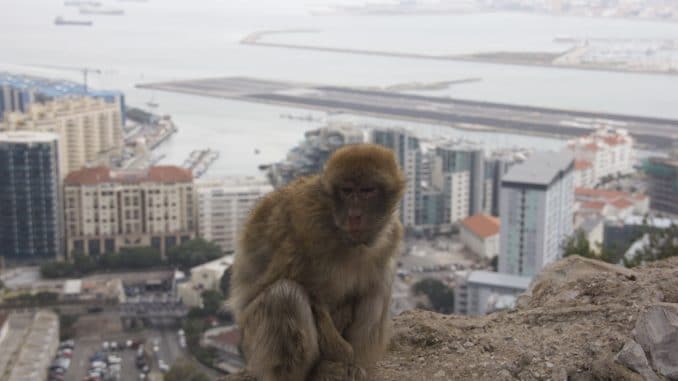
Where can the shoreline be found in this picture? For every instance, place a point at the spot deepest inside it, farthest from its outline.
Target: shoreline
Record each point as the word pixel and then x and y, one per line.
pixel 531 59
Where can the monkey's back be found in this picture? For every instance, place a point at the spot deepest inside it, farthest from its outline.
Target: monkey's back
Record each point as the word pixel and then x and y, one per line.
pixel 271 236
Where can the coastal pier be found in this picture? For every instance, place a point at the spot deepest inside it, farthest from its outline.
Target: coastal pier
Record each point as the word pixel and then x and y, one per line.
pixel 648 131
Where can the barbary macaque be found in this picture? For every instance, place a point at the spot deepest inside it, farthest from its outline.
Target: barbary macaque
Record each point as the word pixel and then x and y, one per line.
pixel 311 282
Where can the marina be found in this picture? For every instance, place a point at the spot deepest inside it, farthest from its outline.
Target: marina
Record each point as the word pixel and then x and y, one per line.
pixel 199 161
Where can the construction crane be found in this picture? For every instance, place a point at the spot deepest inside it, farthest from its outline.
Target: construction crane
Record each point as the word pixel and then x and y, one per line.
pixel 84 70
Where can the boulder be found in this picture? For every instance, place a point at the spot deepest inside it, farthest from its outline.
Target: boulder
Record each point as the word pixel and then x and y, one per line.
pixel 657 332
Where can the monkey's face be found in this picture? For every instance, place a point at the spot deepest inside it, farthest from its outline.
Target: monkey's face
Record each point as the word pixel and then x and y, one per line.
pixel 360 209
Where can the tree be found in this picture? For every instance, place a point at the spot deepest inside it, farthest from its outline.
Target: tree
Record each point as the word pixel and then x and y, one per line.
pixel 193 253
pixel 225 283
pixel 577 244
pixel 663 243
pixel 184 370
pixel 440 296
pixel 2 285
pixel 57 270
pixel 211 301
pixel 140 257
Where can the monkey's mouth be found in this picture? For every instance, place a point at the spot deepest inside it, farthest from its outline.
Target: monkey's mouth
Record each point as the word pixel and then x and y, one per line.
pixel 355 224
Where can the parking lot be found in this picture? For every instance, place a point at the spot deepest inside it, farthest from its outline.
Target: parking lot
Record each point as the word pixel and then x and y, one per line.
pixel 168 347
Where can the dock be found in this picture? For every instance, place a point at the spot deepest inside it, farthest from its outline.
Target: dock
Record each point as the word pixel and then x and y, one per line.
pixel 199 161
pixel 459 113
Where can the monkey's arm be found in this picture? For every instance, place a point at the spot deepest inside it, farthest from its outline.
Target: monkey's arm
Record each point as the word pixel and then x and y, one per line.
pixel 369 331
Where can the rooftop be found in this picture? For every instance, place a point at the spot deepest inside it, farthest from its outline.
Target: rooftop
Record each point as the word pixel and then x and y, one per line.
pixel 482 225
pixel 220 264
pixel 542 168
pixel 100 175
pixel 582 164
pixel 490 278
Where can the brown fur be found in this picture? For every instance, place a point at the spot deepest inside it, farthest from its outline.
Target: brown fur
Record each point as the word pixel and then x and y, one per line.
pixel 313 302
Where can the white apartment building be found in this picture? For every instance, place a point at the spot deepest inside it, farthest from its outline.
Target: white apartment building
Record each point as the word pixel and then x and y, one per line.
pixel 89 129
pixel 408 153
pixel 223 207
pixel 458 171
pixel 605 152
pixel 536 212
pixel 105 210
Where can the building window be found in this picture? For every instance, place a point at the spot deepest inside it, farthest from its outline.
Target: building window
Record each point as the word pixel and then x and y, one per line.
pixel 94 247
pixel 170 242
pixel 156 242
pixel 109 245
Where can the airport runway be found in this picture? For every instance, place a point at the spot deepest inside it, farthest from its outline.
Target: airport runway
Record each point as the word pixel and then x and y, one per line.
pixel 650 132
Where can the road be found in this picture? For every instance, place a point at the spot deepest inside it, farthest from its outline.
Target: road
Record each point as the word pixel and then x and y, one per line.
pixel 655 132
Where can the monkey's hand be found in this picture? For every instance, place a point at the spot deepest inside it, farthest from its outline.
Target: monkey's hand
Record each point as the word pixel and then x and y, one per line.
pixel 332 345
pixel 327 370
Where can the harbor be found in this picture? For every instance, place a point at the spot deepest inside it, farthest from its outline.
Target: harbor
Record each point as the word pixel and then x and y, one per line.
pixel 199 161
pixel 654 133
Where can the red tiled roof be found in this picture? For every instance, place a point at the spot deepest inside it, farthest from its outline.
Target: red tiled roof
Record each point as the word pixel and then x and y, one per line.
pixel 600 193
pixel 482 225
pixel 597 205
pixel 614 140
pixel 591 147
pixel 100 175
pixel 622 203
pixel 582 164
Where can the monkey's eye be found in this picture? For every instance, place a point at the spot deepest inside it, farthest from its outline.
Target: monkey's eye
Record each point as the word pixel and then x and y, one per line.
pixel 368 191
pixel 346 191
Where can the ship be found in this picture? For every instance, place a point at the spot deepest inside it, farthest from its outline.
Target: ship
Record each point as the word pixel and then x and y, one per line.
pixel 82 3
pixel 101 11
pixel 61 21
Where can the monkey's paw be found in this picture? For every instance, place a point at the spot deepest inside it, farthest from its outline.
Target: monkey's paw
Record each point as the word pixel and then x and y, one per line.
pixel 337 371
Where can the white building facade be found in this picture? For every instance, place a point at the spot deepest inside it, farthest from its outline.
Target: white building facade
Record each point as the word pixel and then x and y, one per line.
pixel 223 208
pixel 536 211
pixel 479 293
pixel 605 152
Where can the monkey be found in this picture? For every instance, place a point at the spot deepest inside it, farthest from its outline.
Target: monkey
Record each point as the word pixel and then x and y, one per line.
pixel 312 276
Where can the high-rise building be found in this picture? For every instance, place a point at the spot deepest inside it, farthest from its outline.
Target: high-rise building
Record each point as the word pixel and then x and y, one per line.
pixel 408 153
pixel 18 92
pixel 536 212
pixel 458 171
pixel 106 210
pixel 30 204
pixel 223 207
pixel 496 166
pixel 89 129
pixel 662 177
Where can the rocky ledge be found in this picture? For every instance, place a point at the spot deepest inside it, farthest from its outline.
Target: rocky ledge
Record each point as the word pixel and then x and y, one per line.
pixel 580 320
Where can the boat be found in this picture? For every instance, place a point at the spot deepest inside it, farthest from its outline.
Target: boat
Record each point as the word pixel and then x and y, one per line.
pixel 100 11
pixel 82 3
pixel 61 21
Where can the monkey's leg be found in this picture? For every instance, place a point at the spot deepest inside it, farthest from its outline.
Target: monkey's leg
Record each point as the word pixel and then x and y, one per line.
pixel 280 339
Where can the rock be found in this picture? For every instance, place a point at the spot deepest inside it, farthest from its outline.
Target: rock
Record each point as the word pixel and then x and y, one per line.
pixel 439 374
pixel 657 332
pixel 633 357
